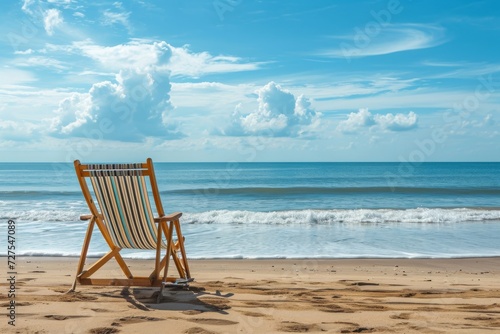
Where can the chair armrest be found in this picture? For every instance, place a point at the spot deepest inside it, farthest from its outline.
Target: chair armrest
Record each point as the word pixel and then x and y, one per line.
pixel 171 217
pixel 89 216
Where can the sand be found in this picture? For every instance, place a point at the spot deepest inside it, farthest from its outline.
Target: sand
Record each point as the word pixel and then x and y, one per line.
pixel 266 296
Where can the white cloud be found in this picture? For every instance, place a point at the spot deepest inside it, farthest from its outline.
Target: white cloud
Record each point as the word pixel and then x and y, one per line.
pixel 134 107
pixel 18 131
pixel 11 77
pixel 52 19
pixel 386 39
pixel 279 114
pixel 187 63
pixel 135 54
pixel 45 62
pixel 180 61
pixel 364 119
pixel 398 122
pixel 25 52
pixel 26 6
pixel 111 18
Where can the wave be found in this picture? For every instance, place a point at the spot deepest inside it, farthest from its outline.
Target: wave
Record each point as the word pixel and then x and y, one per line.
pixel 335 190
pixel 42 215
pixel 311 217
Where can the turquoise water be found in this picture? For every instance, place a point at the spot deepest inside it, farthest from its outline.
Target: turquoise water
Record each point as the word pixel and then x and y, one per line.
pixel 255 210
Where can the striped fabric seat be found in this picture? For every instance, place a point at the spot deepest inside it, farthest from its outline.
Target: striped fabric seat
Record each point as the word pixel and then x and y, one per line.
pixel 124 203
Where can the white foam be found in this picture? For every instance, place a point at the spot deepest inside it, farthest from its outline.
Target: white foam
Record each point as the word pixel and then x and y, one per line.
pixel 376 216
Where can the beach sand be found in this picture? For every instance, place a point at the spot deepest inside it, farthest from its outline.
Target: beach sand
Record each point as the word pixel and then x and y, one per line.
pixel 266 296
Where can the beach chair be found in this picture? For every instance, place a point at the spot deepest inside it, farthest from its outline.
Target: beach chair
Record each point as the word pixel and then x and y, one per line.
pixel 125 219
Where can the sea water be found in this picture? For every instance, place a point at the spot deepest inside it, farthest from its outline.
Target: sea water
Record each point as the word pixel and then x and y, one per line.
pixel 277 210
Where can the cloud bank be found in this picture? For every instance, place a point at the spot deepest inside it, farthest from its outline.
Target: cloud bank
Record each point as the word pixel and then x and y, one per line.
pixel 364 119
pixel 279 114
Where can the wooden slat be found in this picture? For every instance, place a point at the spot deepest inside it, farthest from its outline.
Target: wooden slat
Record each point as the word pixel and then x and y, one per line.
pixel 171 217
pixel 98 264
pixel 136 281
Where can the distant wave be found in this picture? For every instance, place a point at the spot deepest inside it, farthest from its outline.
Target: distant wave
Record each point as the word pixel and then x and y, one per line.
pixel 271 191
pixel 31 194
pixel 335 190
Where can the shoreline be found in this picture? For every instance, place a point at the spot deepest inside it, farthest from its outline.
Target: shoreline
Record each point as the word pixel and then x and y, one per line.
pixel 458 295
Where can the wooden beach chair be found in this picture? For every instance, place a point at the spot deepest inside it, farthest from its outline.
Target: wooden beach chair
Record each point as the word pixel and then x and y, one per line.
pixel 125 219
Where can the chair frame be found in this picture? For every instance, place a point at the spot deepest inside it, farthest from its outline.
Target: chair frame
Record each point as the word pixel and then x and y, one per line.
pixel 166 224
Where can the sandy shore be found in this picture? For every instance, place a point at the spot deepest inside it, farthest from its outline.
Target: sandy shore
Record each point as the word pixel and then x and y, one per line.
pixel 266 296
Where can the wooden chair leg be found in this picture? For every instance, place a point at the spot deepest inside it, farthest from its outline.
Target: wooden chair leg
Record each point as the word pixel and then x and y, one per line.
pixel 168 233
pixel 83 255
pixel 183 250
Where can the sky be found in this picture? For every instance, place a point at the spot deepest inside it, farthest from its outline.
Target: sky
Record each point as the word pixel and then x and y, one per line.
pixel 250 80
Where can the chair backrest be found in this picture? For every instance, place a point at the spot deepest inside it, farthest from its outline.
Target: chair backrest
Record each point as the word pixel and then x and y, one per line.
pixel 122 195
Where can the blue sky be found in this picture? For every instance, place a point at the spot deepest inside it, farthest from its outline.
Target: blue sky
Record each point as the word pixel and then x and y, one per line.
pixel 241 80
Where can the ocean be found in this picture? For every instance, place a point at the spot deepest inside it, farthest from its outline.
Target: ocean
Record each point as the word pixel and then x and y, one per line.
pixel 277 210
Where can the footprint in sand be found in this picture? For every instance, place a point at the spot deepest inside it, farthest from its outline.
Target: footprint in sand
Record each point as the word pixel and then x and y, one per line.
pixel 357 330
pixel 365 284
pixel 334 308
pixel 27 279
pixel 198 330
pixel 216 303
pixel 74 296
pixel 64 317
pixel 104 330
pixel 56 317
pixel 294 327
pixel 213 321
pixel 254 314
pixel 17 304
pixel 402 316
pixel 135 319
pixel 258 304
pixel 101 310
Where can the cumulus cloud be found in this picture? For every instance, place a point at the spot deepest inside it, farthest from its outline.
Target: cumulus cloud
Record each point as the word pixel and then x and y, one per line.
pixel 364 119
pixel 398 122
pixel 51 20
pixel 279 114
pixel 133 107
